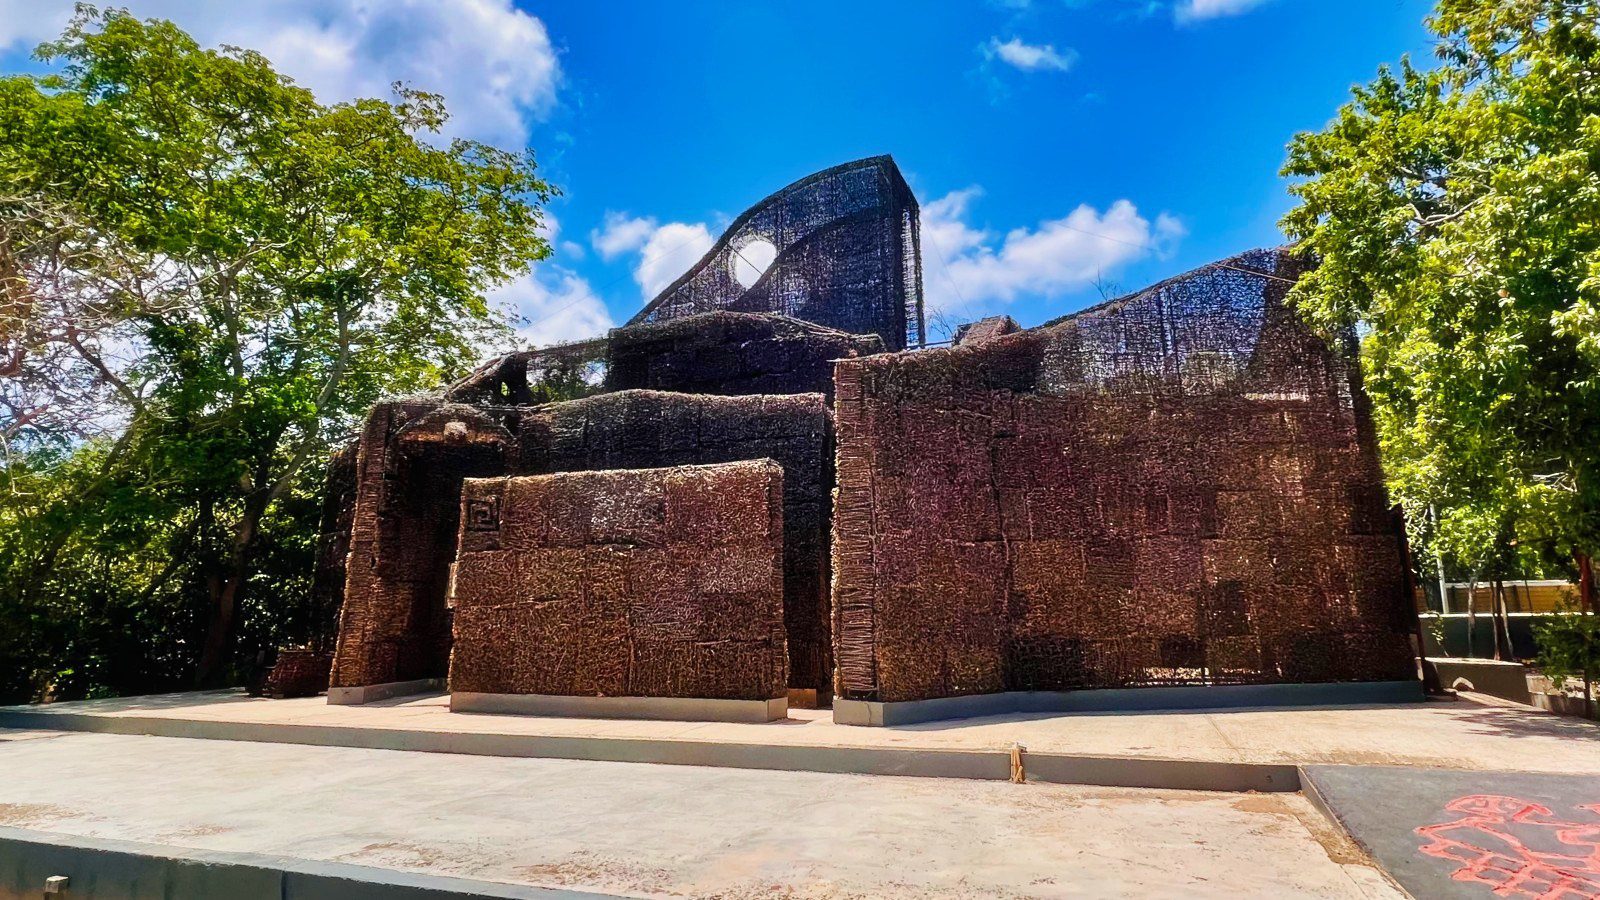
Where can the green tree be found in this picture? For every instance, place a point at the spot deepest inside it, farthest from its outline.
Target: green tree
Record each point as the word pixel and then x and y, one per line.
pixel 1569 648
pixel 1455 216
pixel 280 264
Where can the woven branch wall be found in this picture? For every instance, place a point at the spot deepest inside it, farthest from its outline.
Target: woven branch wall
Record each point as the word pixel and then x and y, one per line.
pixel 732 353
pixel 716 352
pixel 411 460
pixel 642 583
pixel 848 257
pixel 299 672
pixel 648 429
pixel 1179 487
pixel 511 380
pixel 333 539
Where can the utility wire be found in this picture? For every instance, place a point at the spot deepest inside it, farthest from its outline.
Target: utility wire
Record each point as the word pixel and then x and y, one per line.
pixel 944 264
pixel 758 270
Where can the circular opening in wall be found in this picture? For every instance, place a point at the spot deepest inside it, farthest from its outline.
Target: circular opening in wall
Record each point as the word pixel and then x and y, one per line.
pixel 751 259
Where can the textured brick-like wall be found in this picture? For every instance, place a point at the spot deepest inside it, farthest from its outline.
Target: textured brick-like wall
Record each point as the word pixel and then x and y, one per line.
pixel 985 330
pixel 297 672
pixel 1179 487
pixel 333 542
pixel 731 353
pixel 641 583
pixel 648 429
pixel 411 460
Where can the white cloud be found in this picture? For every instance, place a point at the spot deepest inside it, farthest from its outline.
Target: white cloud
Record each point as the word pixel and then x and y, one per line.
pixel 972 271
pixel 554 305
pixel 1030 57
pixel 1198 10
pixel 27 22
pixel 621 234
pixel 944 223
pixel 493 63
pixel 664 251
pixel 671 250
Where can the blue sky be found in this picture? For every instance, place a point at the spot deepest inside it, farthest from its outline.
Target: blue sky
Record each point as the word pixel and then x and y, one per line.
pixel 1053 144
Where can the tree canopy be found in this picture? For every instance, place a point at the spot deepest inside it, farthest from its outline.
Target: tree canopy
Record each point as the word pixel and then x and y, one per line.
pixel 207 274
pixel 1455 216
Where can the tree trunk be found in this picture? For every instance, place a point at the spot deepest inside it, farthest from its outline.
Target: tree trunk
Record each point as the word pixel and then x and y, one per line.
pixel 1444 586
pixel 225 590
pixel 1472 615
pixel 1438 564
pixel 1586 598
pixel 1502 621
pixel 1430 675
pixel 1494 616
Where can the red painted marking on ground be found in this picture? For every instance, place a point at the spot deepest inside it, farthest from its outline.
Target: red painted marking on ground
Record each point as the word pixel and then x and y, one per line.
pixel 1519 849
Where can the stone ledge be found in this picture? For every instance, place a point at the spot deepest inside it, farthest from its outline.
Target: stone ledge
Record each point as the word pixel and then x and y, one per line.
pixel 371 693
pixel 686 709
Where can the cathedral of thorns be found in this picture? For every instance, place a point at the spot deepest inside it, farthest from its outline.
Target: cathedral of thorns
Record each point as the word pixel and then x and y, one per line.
pixel 774 493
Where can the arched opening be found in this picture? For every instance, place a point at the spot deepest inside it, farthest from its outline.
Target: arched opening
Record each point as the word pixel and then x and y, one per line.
pixel 751 260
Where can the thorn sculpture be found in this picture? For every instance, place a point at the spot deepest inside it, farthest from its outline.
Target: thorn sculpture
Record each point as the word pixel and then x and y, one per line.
pixel 1177 487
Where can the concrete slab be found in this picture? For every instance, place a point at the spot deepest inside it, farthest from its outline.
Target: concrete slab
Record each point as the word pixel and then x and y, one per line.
pixel 992 765
pixel 1472 836
pixel 639 830
pixel 106 869
pixel 1450 735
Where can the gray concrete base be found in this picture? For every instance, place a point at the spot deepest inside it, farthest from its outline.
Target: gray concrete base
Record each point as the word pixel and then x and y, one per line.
pixel 680 709
pixel 370 693
pixel 1506 680
pixel 872 713
pixel 1563 705
pixel 106 869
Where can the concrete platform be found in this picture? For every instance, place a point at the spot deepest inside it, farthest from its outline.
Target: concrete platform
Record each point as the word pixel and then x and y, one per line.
pixel 486 821
pixel 261 820
pixel 1245 749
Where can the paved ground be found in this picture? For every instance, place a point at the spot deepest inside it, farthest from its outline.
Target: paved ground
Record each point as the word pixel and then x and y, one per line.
pixel 1453 735
pixel 675 830
pixel 1473 836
